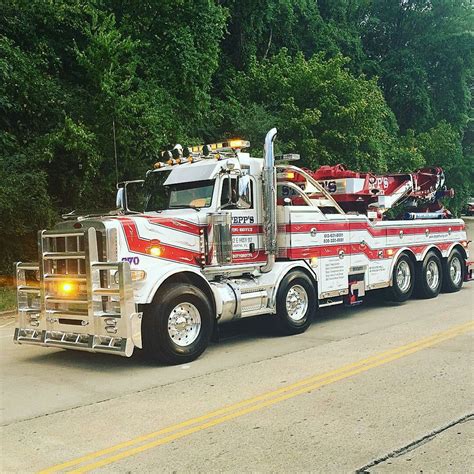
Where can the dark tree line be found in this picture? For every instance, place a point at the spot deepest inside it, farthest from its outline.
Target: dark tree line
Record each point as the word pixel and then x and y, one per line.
pixel 375 84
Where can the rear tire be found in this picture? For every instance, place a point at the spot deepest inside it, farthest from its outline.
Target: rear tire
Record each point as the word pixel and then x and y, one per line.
pixel 177 326
pixel 453 272
pixel 295 304
pixel 429 277
pixel 402 280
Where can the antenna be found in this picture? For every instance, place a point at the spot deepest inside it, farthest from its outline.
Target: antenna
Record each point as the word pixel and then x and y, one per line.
pixel 115 152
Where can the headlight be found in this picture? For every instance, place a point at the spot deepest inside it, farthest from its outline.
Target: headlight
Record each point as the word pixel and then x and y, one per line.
pixel 137 275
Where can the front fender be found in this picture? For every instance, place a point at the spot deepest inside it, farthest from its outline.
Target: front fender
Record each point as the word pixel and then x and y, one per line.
pixel 147 290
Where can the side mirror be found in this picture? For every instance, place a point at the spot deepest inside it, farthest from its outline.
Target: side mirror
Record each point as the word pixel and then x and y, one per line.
pixel 130 194
pixel 120 199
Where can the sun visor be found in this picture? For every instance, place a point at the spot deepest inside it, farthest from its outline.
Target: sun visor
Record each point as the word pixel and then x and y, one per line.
pixel 190 172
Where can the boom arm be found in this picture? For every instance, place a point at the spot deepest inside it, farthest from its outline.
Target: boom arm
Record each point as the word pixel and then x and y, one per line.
pixel 361 192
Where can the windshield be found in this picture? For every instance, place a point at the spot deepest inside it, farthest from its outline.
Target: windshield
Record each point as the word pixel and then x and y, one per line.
pixel 195 194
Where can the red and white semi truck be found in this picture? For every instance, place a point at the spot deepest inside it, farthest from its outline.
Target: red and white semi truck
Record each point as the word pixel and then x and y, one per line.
pixel 223 236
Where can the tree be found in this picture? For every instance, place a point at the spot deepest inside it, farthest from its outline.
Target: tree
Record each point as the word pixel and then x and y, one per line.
pixel 321 109
pixel 441 146
pixel 423 49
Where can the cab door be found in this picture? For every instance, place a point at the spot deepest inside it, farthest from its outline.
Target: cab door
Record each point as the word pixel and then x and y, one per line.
pixel 238 196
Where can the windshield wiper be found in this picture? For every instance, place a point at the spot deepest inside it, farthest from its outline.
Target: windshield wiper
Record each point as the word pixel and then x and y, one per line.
pixel 185 206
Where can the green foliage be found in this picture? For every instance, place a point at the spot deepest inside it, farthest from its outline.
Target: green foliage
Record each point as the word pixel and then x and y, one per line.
pixel 25 207
pixel 423 50
pixel 322 110
pixel 7 298
pixel 441 147
pixel 374 84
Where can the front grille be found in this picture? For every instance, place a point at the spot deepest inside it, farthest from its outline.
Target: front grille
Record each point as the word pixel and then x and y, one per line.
pixel 64 254
pixel 63 265
pixel 75 297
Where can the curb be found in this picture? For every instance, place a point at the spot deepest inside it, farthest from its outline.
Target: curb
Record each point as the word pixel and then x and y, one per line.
pixel 6 314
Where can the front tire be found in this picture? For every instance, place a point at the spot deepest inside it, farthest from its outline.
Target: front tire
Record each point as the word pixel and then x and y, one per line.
pixel 402 280
pixel 453 272
pixel 177 326
pixel 429 277
pixel 295 304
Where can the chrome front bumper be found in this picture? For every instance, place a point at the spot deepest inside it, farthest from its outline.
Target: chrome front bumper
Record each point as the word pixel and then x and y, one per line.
pixel 100 316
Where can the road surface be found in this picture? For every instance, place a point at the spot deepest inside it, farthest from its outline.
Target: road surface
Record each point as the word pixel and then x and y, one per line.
pixel 376 388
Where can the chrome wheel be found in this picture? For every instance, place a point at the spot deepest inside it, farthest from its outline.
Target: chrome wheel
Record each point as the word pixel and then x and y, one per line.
pixel 296 302
pixel 184 324
pixel 455 270
pixel 403 276
pixel 432 275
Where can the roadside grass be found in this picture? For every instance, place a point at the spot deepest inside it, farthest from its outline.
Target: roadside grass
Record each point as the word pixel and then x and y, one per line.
pixel 7 298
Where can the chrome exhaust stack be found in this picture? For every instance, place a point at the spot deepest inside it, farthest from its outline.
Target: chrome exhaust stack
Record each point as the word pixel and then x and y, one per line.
pixel 269 202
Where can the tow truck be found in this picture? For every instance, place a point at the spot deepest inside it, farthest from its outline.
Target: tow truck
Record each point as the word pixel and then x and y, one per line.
pixel 221 236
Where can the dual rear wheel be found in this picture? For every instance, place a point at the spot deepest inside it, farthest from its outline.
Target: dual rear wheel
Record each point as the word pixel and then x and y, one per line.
pixel 427 278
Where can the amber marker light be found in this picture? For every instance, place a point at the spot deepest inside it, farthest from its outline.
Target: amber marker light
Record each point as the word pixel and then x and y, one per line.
pixel 155 249
pixel 390 252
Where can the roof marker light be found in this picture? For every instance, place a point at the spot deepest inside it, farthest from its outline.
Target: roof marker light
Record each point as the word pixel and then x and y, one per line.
pixel 238 143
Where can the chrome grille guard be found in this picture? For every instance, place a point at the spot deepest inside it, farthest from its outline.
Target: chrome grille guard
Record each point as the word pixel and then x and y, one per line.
pixel 100 313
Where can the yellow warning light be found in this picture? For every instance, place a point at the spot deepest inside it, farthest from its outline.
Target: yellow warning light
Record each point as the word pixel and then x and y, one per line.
pixel 390 252
pixel 288 175
pixel 67 287
pixel 238 143
pixel 235 144
pixel 314 261
pixel 174 161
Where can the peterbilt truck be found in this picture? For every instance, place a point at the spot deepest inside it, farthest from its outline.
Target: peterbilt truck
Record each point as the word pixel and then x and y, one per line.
pixel 221 236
